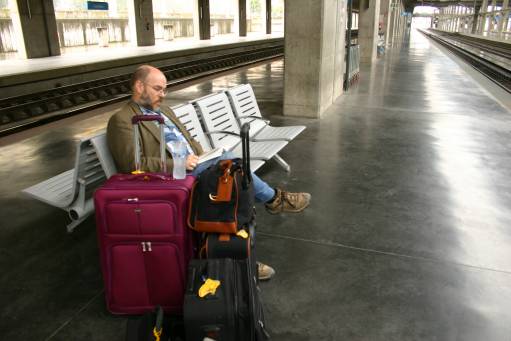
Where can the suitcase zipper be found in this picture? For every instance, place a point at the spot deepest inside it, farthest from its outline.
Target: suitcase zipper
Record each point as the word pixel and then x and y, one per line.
pixel 138 204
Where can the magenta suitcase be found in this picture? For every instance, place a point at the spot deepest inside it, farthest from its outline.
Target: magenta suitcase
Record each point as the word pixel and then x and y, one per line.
pixel 144 241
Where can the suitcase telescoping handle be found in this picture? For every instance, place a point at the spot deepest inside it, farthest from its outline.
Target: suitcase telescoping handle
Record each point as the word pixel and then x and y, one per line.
pixel 245 146
pixel 136 137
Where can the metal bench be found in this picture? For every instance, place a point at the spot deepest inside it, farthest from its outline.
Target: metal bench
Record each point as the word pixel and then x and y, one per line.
pixel 188 117
pixel 245 107
pixel 72 190
pixel 219 120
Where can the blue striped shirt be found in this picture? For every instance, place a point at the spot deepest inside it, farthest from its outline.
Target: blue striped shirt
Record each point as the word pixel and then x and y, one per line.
pixel 172 132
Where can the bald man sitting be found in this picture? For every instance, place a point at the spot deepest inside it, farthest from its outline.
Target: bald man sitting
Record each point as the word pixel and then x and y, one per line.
pixel 149 87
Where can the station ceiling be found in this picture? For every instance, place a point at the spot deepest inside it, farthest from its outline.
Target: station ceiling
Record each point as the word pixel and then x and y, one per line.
pixel 411 4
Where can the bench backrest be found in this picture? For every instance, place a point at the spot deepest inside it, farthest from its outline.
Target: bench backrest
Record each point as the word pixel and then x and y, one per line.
pixel 103 152
pixel 244 104
pixel 216 114
pixel 188 117
pixel 88 168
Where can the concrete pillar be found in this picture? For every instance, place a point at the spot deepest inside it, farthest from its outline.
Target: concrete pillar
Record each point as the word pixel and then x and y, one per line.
pixel 242 18
pixel 442 18
pixel 447 19
pixel 389 35
pixel 397 15
pixel 454 17
pixel 504 18
pixel 268 16
pixel 36 28
pixel 459 13
pixel 397 9
pixel 404 19
pixel 401 18
pixel 484 9
pixel 384 14
pixel 369 14
pixel 492 16
pixel 475 20
pixel 458 19
pixel 465 19
pixel 196 17
pixel 141 22
pixel 450 10
pixel 314 58
pixel 449 25
pixel 236 23
pixel 204 19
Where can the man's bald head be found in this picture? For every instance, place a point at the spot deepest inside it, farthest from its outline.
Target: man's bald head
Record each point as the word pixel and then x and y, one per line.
pixel 141 74
pixel 148 86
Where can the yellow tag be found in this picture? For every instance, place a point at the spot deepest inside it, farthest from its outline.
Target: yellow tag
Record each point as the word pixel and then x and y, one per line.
pixel 157 334
pixel 138 172
pixel 209 287
pixel 243 234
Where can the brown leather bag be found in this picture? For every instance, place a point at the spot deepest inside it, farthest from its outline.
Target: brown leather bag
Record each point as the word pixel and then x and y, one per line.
pixel 222 198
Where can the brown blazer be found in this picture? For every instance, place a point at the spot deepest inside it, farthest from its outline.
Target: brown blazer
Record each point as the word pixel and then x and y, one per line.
pixel 120 140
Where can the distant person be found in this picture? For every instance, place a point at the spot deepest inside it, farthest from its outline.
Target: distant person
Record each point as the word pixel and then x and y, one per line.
pixel 149 87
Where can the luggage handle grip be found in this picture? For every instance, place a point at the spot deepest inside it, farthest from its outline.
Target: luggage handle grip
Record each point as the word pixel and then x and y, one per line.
pixel 245 144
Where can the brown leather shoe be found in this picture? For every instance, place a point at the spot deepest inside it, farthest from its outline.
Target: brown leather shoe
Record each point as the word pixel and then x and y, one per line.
pixel 264 272
pixel 288 202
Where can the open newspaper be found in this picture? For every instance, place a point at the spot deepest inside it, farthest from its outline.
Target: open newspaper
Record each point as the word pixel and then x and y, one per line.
pixel 211 154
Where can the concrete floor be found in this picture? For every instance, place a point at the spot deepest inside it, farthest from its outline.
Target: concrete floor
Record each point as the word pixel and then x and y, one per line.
pixel 407 236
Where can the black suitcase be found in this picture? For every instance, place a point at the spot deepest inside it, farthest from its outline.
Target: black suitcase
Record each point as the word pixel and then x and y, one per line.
pixel 223 245
pixel 234 312
pixel 230 245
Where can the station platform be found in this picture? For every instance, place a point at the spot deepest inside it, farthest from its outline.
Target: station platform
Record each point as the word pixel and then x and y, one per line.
pixel 407 236
pixel 504 37
pixel 89 60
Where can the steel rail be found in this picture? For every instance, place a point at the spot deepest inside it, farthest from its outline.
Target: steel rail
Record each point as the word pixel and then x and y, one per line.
pixel 492 71
pixel 58 103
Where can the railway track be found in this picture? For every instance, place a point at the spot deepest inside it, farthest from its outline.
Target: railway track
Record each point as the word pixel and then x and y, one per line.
pixel 23 112
pixel 477 55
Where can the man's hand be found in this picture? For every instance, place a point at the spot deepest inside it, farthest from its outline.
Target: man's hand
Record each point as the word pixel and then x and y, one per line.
pixel 191 161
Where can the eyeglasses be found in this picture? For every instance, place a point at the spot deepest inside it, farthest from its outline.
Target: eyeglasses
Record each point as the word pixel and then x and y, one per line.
pixel 157 88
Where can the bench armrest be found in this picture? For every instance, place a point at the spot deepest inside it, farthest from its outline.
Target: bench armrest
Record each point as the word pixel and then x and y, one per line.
pixel 222 132
pixel 239 118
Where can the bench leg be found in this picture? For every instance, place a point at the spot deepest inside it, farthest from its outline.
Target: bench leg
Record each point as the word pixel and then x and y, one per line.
pixel 74 223
pixel 79 214
pixel 282 163
pixel 80 209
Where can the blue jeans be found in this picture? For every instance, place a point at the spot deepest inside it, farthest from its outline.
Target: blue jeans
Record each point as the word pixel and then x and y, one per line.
pixel 263 192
